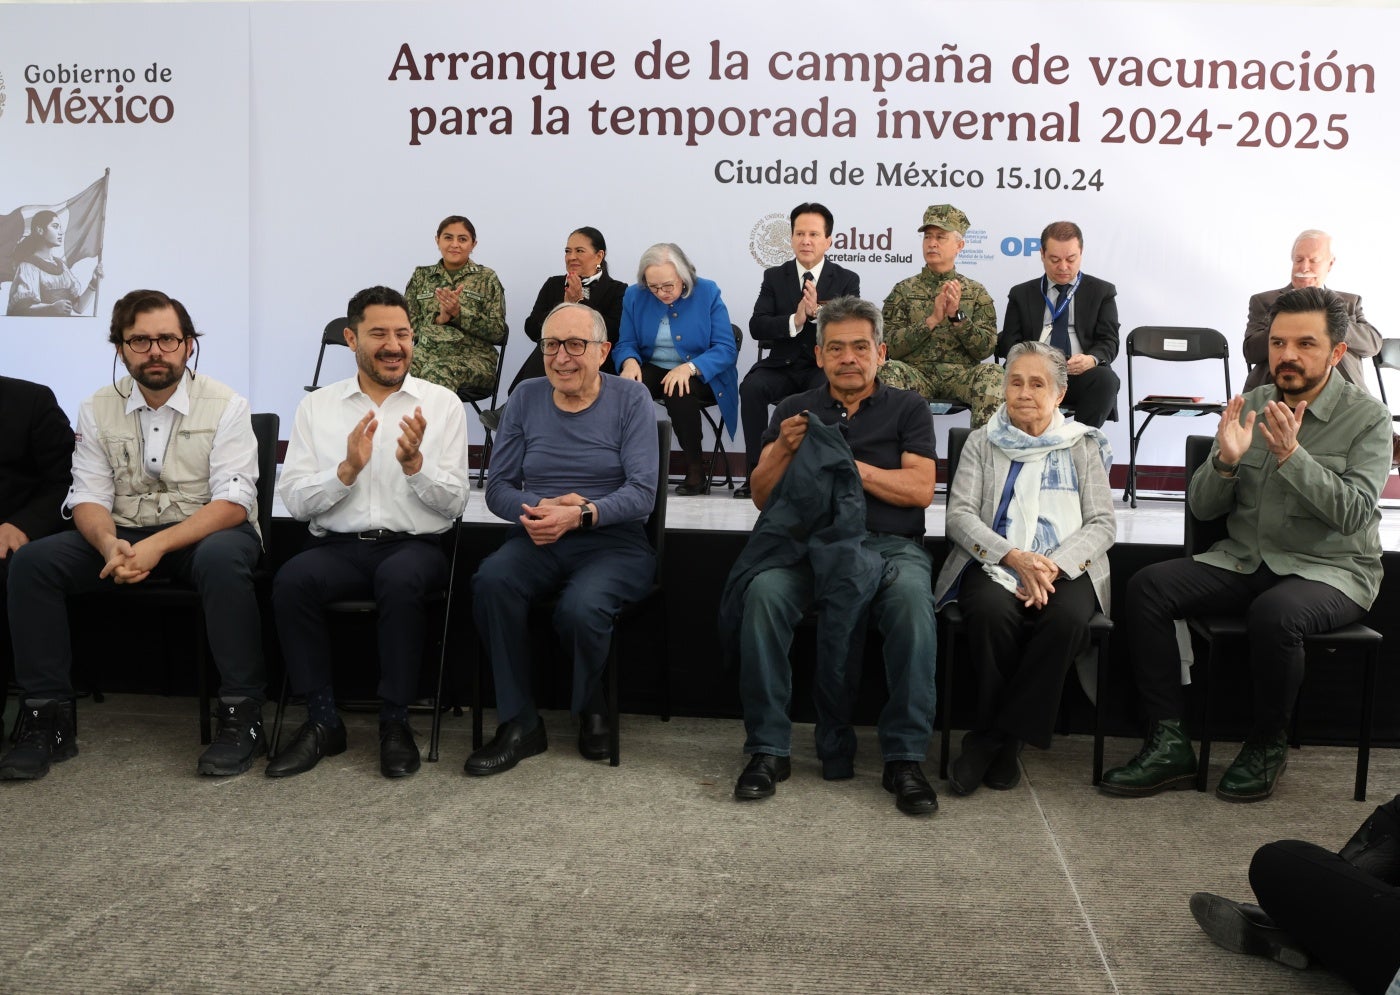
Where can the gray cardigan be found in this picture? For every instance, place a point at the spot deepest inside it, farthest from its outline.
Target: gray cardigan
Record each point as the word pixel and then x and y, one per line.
pixel 972 503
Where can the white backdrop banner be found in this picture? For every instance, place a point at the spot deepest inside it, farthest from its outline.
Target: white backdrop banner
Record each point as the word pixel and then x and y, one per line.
pixel 1190 142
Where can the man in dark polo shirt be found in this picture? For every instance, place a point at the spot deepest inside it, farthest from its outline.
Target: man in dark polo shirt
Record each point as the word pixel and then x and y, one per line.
pixel 890 436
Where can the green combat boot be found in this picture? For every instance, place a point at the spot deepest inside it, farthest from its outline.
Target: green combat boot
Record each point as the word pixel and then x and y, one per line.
pixel 1166 760
pixel 1256 770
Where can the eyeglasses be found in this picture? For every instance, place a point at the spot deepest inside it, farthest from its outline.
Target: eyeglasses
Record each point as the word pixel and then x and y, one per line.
pixel 574 347
pixel 142 343
pixel 661 288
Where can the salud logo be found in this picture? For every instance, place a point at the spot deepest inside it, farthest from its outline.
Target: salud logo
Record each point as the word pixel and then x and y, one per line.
pixel 770 240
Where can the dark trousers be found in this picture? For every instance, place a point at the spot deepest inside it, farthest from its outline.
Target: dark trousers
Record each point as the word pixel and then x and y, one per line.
pixel 220 566
pixel 903 612
pixel 398 574
pixel 593 574
pixel 1020 671
pixel 1094 393
pixel 1279 611
pixel 765 385
pixel 682 409
pixel 1344 917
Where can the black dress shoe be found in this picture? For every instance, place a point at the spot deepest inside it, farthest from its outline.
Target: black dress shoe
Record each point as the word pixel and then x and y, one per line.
pixel 913 795
pixel 312 742
pixel 1005 771
pixel 760 778
pixel 743 491
pixel 687 489
pixel 979 750
pixel 593 738
pixel 508 747
pixel 398 753
pixel 1246 929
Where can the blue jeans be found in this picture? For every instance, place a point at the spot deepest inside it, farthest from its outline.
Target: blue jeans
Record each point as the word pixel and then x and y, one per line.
pixel 903 613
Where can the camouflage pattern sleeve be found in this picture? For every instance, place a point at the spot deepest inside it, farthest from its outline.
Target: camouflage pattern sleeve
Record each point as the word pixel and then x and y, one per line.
pixel 483 314
pixel 906 307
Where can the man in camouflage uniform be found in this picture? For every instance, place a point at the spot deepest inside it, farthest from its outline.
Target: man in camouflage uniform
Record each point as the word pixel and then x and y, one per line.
pixel 457 317
pixel 939 325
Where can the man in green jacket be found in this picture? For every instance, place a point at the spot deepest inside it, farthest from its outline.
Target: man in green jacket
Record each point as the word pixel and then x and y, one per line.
pixel 1297 469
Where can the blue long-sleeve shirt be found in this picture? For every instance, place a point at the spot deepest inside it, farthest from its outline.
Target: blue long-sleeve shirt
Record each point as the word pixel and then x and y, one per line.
pixel 607 452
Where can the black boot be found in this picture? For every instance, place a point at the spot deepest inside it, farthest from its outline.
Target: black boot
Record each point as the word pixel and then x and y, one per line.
pixel 1375 847
pixel 47 734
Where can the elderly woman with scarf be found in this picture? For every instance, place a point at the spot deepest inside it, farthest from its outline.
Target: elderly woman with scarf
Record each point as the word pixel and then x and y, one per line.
pixel 1030 519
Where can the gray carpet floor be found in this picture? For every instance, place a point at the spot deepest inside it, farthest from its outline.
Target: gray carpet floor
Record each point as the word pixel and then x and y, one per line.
pixel 123 871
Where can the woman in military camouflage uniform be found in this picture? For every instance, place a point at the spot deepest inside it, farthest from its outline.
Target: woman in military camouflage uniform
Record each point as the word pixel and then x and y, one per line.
pixel 458 311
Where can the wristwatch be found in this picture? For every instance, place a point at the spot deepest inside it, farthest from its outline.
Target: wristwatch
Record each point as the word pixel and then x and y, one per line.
pixel 958 318
pixel 585 517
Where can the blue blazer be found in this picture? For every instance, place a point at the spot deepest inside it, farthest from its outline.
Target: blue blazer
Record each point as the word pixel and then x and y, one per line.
pixel 702 332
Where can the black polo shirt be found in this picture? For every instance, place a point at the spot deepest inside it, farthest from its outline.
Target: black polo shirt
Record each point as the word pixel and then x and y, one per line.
pixel 888 424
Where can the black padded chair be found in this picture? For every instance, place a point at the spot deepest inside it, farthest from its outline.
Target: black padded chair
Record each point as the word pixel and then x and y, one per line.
pixel 1172 345
pixel 474 396
pixel 169 593
pixel 656 534
pixel 1220 631
pixel 716 423
pixel 952 625
pixel 367 607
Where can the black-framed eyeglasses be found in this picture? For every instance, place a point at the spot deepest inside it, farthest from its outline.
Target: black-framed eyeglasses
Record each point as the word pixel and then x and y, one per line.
pixel 574 347
pixel 142 343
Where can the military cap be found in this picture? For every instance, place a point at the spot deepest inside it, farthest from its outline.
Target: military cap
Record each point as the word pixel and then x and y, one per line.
pixel 947 217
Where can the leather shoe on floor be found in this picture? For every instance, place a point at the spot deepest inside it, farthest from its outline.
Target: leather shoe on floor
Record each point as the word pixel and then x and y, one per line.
pixel 1255 772
pixel 398 753
pixel 1166 760
pixel 508 747
pixel 593 736
pixel 687 489
pixel 743 491
pixel 312 742
pixel 1005 771
pixel 913 795
pixel 979 750
pixel 760 778
pixel 1245 929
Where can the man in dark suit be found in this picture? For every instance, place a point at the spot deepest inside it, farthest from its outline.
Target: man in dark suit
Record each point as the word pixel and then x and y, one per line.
pixel 785 322
pixel 1074 312
pixel 1312 261
pixel 36 453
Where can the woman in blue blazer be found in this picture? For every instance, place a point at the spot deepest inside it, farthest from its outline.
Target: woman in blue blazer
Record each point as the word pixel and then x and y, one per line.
pixel 677 339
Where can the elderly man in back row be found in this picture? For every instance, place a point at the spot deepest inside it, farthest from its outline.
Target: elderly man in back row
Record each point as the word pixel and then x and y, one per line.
pixel 887 459
pixel 941 325
pixel 575 464
pixel 1296 471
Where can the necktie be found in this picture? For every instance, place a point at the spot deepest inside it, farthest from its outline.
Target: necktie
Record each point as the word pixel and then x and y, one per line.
pixel 1059 326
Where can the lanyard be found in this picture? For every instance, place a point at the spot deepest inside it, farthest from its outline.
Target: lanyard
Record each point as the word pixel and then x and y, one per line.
pixel 1055 312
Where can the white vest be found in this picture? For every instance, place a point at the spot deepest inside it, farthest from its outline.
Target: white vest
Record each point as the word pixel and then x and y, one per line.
pixel 139 500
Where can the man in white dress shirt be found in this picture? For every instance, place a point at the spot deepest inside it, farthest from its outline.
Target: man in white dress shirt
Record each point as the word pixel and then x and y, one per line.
pixel 377 465
pixel 165 475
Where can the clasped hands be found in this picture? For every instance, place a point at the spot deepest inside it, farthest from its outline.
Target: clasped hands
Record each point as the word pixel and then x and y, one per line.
pixel 676 381
pixel 1279 427
pixel 449 301
pixel 359 444
pixel 547 521
pixel 945 303
pixel 1036 575
pixel 128 564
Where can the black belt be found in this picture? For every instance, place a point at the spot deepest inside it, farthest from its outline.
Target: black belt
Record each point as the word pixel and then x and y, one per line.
pixel 375 535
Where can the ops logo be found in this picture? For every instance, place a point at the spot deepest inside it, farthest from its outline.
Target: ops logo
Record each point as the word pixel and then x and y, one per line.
pixel 770 240
pixel 1013 246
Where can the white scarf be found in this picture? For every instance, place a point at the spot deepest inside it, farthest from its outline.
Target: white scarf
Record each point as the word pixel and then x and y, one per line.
pixel 1045 505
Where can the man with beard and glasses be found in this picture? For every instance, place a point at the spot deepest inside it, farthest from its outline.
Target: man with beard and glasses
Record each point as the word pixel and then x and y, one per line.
pixel 165 475
pixel 377 467
pixel 1297 470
